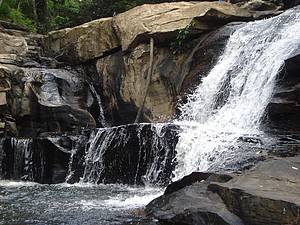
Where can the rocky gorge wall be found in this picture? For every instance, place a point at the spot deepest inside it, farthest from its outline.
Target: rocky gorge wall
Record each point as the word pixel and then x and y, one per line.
pixel 47 81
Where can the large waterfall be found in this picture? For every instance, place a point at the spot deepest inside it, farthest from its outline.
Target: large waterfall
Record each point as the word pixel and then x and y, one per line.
pixel 232 98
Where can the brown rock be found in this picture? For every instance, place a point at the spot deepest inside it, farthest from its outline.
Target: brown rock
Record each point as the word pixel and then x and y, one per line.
pixel 85 42
pixel 164 20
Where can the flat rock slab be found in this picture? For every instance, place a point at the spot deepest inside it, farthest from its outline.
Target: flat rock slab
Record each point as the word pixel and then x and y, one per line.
pixel 192 205
pixel 267 194
pixel 163 21
pixel 84 42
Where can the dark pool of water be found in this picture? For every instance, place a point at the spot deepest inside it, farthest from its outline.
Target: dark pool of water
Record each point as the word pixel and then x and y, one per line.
pixel 23 203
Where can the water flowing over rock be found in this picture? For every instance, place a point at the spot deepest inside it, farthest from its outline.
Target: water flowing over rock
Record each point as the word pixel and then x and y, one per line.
pixel 132 154
pixel 232 99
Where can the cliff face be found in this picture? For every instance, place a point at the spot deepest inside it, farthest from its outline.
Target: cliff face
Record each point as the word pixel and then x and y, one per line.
pixel 72 78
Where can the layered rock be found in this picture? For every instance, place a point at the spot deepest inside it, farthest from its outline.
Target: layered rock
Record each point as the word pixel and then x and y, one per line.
pixel 37 93
pixel 132 154
pixel 284 109
pixel 85 42
pixel 164 21
pixel 123 77
pixel 267 194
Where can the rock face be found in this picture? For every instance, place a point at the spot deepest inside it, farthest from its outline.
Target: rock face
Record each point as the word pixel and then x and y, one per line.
pixel 37 93
pixel 284 109
pixel 47 94
pixel 192 204
pixel 85 42
pixel 123 77
pixel 163 22
pixel 131 154
pixel 266 194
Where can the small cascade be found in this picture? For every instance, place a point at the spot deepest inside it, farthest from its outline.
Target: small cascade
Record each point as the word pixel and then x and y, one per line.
pixel 132 154
pixel 101 117
pixel 2 158
pixel 18 159
pixel 231 101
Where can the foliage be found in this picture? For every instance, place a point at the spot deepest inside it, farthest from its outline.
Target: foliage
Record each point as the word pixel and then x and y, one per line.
pixel 181 37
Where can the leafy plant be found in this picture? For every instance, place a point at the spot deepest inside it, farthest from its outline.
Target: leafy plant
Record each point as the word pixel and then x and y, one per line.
pixel 181 37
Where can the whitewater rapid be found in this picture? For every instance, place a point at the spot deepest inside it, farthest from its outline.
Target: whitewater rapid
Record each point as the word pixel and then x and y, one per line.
pixel 231 100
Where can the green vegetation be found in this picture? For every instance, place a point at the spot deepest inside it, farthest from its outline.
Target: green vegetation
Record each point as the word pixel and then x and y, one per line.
pixel 181 37
pixel 46 15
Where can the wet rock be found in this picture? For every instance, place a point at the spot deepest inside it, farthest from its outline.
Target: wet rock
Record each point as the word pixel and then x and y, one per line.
pixel 123 77
pixel 290 3
pixel 132 154
pixel 196 177
pixel 35 160
pixel 192 204
pixel 284 109
pixel 267 194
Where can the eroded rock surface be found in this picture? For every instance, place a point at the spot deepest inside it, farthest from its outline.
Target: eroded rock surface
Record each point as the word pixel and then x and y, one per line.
pixel 266 194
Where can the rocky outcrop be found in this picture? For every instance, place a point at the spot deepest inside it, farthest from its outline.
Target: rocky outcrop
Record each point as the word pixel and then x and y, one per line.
pixel 163 22
pixel 284 109
pixel 123 77
pixel 271 189
pixel 83 43
pixel 192 203
pixel 266 194
pixel 131 154
pixel 42 94
pixel 39 94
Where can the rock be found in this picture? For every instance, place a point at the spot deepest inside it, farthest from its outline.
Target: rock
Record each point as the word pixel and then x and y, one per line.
pixel 163 21
pixel 260 5
pixel 123 77
pixel 196 177
pixel 12 45
pixel 85 42
pixel 47 100
pixel 193 204
pixel 132 154
pixel 290 3
pixel 35 160
pixel 284 109
pixel 267 194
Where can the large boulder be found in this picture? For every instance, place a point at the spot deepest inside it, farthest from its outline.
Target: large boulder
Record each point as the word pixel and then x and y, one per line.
pixel 284 109
pixel 164 20
pixel 123 76
pixel 85 42
pixel 192 203
pixel 37 93
pixel 267 194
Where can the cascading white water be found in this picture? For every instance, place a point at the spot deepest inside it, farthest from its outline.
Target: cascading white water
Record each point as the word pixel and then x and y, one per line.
pixel 231 100
pixel 101 118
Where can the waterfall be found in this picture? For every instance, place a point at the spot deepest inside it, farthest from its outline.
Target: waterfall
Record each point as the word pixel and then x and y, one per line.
pixel 22 159
pixel 231 100
pixel 131 154
pixel 101 118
